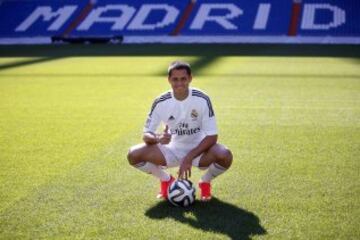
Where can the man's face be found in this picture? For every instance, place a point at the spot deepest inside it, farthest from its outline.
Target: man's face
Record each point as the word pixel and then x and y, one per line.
pixel 179 81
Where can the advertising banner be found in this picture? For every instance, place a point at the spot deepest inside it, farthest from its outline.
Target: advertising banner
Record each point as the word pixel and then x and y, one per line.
pixel 289 21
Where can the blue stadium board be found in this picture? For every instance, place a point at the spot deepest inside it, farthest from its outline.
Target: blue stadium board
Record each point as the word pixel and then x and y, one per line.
pixel 32 18
pixel 334 18
pixel 13 13
pixel 255 17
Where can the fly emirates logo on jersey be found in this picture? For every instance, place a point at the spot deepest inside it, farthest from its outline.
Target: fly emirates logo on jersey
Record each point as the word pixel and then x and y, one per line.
pixel 183 128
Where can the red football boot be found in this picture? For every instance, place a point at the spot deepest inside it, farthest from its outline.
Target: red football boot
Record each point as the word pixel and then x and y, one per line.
pixel 164 185
pixel 205 191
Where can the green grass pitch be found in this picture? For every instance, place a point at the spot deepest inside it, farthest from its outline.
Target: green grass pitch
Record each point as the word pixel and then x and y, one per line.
pixel 69 114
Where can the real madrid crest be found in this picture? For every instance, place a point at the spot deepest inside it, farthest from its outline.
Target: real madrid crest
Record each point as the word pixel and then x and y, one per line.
pixel 194 115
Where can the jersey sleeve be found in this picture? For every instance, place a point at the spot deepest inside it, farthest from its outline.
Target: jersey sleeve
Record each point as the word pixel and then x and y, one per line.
pixel 153 121
pixel 209 121
pixel 156 113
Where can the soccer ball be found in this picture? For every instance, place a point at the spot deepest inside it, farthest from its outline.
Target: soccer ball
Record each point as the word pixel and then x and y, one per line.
pixel 181 193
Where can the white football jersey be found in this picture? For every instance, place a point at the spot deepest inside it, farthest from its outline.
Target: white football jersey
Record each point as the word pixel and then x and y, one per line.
pixel 189 120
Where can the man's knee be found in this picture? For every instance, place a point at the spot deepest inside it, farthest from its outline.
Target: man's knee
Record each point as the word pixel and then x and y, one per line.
pixel 224 157
pixel 133 156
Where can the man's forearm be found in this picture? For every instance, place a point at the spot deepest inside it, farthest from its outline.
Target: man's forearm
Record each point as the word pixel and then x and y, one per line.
pixel 150 138
pixel 203 146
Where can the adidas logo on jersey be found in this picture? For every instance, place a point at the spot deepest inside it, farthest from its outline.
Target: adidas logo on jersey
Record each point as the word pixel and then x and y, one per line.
pixel 171 118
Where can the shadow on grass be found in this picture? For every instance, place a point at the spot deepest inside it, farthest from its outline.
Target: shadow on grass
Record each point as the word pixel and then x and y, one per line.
pixel 214 216
pixel 202 62
pixel 207 53
pixel 205 50
pixel 28 62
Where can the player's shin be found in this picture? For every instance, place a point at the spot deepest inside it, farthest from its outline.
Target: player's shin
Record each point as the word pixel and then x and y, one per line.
pixel 153 169
pixel 213 171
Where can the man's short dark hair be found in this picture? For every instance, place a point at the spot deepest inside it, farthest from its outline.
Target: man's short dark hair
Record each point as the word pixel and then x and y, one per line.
pixel 179 65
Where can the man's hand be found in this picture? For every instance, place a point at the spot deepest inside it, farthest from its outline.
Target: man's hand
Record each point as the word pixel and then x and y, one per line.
pixel 165 137
pixel 185 168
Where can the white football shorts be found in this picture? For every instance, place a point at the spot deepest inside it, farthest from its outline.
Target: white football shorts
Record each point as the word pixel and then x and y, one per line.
pixel 173 155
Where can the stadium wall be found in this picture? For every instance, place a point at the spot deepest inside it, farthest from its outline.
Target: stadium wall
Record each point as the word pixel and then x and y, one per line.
pixel 190 21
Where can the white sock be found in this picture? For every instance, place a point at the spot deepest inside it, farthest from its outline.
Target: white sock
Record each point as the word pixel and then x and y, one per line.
pixel 154 170
pixel 213 171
